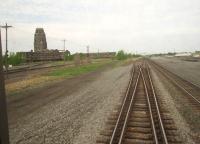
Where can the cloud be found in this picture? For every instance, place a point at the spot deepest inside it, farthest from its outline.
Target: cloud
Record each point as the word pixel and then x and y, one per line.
pixel 145 25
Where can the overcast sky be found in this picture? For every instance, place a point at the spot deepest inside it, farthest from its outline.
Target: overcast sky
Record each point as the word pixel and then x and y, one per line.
pixel 142 26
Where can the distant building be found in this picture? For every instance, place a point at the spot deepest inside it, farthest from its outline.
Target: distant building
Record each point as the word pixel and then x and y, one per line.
pixel 41 53
pixel 102 55
pixel 99 55
pixel 196 54
pixel 183 54
pixel 40 43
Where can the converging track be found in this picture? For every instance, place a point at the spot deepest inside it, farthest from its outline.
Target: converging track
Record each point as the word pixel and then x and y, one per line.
pixel 141 118
pixel 191 90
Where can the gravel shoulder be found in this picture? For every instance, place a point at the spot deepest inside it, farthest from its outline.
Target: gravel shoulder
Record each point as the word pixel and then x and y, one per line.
pixel 70 111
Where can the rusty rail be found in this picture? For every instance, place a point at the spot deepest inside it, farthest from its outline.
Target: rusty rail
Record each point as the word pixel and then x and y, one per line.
pixel 122 107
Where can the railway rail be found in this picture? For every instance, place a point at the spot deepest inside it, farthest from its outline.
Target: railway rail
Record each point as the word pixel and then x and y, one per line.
pixel 191 90
pixel 141 118
pixel 35 68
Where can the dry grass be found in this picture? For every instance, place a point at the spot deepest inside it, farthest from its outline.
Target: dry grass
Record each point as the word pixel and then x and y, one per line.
pixel 36 80
pixel 40 79
pixel 27 83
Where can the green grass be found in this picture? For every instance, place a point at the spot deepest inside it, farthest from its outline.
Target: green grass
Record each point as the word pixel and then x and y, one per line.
pixel 78 70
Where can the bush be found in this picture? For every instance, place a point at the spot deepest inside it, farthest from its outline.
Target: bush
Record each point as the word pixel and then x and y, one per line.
pixel 68 56
pixel 71 57
pixel 121 55
pixel 82 56
pixel 15 59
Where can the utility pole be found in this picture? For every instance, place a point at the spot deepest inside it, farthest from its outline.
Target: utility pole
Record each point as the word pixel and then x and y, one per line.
pixel 6 53
pixel 64 44
pixel 88 56
pixel 4 136
pixel 88 48
pixel 64 49
pixel 98 53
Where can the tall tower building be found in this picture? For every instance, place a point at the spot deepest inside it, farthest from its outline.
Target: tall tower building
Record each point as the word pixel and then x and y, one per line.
pixel 40 43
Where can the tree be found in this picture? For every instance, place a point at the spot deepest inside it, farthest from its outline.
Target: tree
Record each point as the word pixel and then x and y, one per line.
pixel 121 55
pixel 15 59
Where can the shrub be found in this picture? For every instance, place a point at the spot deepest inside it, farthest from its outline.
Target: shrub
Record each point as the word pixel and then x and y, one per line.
pixel 68 56
pixel 121 55
pixel 15 59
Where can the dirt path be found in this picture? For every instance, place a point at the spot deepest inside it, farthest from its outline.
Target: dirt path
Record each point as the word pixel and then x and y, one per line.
pixel 71 111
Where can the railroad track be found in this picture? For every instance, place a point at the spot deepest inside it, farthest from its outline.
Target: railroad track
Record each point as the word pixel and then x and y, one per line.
pixel 141 118
pixel 191 90
pixel 35 68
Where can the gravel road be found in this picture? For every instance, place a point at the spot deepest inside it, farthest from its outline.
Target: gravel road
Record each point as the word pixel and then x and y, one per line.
pixel 71 111
pixel 186 69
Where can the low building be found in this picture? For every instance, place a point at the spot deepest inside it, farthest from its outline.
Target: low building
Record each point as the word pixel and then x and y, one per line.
pixel 50 55
pixel 102 55
pixel 183 54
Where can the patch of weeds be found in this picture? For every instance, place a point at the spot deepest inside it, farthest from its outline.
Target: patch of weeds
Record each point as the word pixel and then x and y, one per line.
pixel 77 70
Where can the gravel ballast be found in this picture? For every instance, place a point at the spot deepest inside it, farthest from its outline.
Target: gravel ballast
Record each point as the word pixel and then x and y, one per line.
pixel 72 111
pixel 186 69
pixel 167 93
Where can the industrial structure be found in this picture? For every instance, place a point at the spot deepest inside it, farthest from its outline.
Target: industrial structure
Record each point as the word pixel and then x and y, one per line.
pixel 42 53
pixel 40 43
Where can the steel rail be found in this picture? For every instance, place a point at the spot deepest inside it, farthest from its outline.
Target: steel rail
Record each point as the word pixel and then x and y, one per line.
pixel 150 109
pixel 129 110
pixel 14 71
pixel 123 105
pixel 174 81
pixel 193 84
pixel 157 107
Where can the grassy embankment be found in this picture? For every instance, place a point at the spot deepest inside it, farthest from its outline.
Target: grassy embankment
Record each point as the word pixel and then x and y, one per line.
pixel 37 80
pixel 33 81
pixel 78 70
pixel 75 71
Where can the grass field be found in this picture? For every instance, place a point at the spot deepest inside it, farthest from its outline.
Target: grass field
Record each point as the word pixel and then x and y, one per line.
pixel 77 70
pixel 62 73
pixel 55 75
